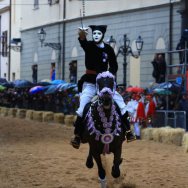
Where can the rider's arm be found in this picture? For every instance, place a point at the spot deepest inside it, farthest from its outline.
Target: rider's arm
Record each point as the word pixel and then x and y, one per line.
pixel 82 34
pixel 82 37
pixel 113 65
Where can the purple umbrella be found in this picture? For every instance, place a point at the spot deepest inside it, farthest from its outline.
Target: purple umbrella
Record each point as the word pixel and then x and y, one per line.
pixel 36 89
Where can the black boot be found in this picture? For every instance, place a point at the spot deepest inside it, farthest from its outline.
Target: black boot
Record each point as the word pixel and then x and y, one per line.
pixel 128 133
pixel 75 142
pixel 130 136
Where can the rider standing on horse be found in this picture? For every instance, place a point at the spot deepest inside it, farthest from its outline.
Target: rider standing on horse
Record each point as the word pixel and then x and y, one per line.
pixel 99 57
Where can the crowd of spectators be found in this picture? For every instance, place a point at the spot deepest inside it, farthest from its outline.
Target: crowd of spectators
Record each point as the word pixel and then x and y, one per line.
pixel 65 102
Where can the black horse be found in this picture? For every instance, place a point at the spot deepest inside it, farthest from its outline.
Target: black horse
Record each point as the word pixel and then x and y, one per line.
pixel 103 126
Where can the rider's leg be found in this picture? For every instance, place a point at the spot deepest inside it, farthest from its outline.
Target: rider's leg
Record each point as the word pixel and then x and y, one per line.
pixel 77 132
pixel 124 111
pixel 88 92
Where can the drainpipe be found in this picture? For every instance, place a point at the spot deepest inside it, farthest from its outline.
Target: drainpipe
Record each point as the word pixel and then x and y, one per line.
pixel 10 30
pixel 59 52
pixel 63 43
pixel 0 46
pixel 170 31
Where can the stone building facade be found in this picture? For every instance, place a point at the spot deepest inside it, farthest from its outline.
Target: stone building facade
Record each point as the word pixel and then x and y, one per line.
pixel 159 25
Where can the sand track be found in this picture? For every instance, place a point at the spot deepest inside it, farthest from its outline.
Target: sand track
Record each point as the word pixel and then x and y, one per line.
pixel 38 155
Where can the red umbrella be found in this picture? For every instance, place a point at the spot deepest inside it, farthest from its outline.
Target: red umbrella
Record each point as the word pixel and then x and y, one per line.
pixel 135 89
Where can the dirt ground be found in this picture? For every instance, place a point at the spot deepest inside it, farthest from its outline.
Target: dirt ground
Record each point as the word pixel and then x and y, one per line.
pixel 34 154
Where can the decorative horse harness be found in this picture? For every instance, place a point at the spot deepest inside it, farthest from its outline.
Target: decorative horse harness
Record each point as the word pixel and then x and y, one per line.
pixel 111 125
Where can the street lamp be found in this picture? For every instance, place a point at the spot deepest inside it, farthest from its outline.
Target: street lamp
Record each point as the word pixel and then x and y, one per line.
pixel 55 46
pixel 125 50
pixel 42 37
pixel 111 41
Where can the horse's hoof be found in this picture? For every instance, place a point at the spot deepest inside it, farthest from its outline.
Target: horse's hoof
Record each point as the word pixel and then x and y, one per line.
pixel 115 172
pixel 102 174
pixel 89 163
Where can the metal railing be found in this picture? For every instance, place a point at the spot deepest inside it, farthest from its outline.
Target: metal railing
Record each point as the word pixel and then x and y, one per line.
pixel 175 119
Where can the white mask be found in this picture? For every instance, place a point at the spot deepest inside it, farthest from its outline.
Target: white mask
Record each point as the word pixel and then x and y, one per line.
pixel 97 36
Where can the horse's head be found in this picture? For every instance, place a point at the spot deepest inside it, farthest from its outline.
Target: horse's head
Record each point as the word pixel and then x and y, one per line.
pixel 106 87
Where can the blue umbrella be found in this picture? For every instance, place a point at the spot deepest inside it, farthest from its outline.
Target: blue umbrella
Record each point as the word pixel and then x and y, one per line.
pixel 3 80
pixel 58 82
pixel 51 89
pixel 162 91
pixel 67 86
pixel 36 89
pixel 172 86
pixel 43 83
pixel 22 84
pixel 8 84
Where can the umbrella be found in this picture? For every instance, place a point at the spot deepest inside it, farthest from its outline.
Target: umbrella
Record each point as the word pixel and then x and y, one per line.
pixel 58 82
pixel 43 83
pixel 22 83
pixel 172 86
pixel 135 89
pixel 46 80
pixel 51 89
pixel 3 80
pixel 67 86
pixel 8 84
pixel 36 89
pixel 2 88
pixel 162 91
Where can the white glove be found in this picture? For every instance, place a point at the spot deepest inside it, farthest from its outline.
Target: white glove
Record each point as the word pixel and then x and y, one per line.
pixel 82 32
pixel 83 29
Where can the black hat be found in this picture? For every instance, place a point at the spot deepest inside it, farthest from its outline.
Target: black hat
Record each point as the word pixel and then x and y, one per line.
pixel 101 28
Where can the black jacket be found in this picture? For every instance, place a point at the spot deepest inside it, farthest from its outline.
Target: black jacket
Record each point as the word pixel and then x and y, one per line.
pixel 97 59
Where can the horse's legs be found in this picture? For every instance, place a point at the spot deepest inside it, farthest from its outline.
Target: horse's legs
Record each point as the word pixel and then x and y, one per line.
pixel 89 161
pixel 117 161
pixel 101 171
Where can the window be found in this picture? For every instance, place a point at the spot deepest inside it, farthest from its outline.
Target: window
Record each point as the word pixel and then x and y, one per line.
pixel 52 2
pixel 36 4
pixel 52 72
pixel 34 73
pixel 73 71
pixel 13 76
pixel 4 44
